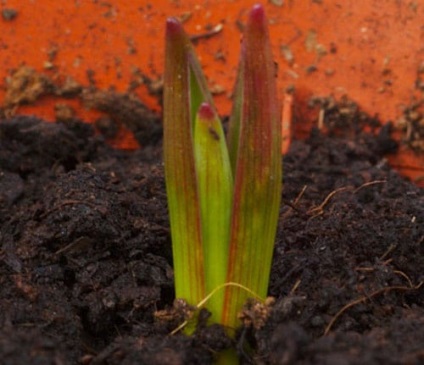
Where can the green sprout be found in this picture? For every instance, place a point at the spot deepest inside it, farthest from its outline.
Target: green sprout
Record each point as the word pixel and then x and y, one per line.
pixel 223 193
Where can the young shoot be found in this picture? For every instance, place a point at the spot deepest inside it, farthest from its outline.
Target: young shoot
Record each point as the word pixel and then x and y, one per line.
pixel 223 193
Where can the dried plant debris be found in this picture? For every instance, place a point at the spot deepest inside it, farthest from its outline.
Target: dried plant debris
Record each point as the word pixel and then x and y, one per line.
pixel 127 110
pixel 25 86
pixel 255 313
pixel 69 88
pixel 154 85
pixel 180 312
pixel 64 112
pixel 344 118
pixel 412 125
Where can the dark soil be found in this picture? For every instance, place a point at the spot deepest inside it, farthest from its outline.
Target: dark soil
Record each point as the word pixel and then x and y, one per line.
pixel 85 260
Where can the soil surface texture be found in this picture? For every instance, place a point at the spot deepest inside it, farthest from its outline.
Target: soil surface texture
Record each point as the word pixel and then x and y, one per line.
pixel 86 263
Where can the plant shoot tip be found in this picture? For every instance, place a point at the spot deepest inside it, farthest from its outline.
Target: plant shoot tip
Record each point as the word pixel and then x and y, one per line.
pixel 206 111
pixel 173 26
pixel 257 14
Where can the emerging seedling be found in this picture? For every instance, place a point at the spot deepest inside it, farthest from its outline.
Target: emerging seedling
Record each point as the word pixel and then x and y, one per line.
pixel 223 195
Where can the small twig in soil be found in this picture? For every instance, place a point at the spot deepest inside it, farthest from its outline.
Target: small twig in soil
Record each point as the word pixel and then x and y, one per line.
pixel 387 261
pixel 321 117
pixel 365 269
pixel 293 205
pixel 397 272
pixel 74 245
pixel 401 273
pixel 295 286
pixel 320 208
pixel 215 30
pixel 388 251
pixel 314 212
pixel 369 184
pixel 365 298
pixel 102 210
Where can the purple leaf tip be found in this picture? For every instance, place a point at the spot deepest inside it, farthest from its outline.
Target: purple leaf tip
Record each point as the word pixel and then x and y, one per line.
pixel 173 26
pixel 257 14
pixel 206 111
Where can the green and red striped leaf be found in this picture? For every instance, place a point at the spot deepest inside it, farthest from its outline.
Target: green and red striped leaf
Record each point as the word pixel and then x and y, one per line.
pixel 215 192
pixel 180 173
pixel 257 170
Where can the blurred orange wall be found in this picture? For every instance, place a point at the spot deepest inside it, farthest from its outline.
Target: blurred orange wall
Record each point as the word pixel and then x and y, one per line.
pixel 370 50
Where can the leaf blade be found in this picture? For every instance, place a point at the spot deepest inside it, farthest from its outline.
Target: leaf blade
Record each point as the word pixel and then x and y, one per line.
pixel 215 193
pixel 257 180
pixel 180 175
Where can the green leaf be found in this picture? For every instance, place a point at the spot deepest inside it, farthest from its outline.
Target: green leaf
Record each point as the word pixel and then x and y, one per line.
pixel 257 178
pixel 235 121
pixel 180 174
pixel 215 192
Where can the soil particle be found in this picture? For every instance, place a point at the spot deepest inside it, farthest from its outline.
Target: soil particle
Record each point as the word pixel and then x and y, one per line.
pixel 64 112
pixel 86 263
pixel 9 14
pixel 128 111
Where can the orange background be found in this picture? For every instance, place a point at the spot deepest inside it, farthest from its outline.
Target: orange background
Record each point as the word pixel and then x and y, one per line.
pixel 369 50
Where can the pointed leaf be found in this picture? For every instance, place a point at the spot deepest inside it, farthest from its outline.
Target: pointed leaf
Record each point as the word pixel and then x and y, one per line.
pixel 235 121
pixel 215 193
pixel 257 180
pixel 180 175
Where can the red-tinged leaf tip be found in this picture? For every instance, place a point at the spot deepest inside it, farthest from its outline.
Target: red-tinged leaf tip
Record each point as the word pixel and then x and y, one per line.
pixel 206 111
pixel 257 14
pixel 173 26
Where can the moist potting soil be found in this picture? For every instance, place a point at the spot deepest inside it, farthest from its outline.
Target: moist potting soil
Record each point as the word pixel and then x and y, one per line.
pixel 86 263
